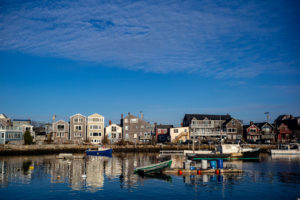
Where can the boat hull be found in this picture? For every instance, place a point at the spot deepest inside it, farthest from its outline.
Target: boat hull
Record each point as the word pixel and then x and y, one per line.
pixel 285 152
pixel 107 152
pixel 154 168
pixel 225 156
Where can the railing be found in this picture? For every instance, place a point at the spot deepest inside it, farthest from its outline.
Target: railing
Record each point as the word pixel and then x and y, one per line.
pixel 202 126
pixel 208 134
pixel 10 128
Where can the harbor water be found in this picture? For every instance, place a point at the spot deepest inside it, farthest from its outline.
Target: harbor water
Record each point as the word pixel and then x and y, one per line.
pixel 45 177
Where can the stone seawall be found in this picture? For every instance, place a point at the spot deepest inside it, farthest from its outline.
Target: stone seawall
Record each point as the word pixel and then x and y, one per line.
pixel 6 150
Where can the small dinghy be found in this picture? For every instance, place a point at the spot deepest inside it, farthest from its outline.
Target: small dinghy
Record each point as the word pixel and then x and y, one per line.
pixel 154 168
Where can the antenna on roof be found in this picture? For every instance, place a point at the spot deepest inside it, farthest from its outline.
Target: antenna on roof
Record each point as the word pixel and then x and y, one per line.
pixel 268 116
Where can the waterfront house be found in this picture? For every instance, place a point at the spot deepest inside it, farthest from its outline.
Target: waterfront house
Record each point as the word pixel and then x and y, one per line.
pixel 11 134
pixel 78 129
pixel 25 124
pixel 233 129
pixel 205 127
pixel 60 132
pixel 113 132
pixel 267 131
pixel 95 128
pixel 288 130
pixel 40 134
pixel 162 133
pixel 179 134
pixel 136 129
pixel 252 132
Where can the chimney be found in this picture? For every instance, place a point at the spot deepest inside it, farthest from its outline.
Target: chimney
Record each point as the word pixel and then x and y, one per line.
pixel 122 116
pixel 128 113
pixel 181 124
pixel 251 122
pixel 109 122
pixel 142 115
pixel 155 124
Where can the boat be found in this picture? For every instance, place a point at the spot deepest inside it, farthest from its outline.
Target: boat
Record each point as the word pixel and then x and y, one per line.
pixel 288 149
pixel 153 168
pixel 226 152
pixel 102 151
pixel 68 156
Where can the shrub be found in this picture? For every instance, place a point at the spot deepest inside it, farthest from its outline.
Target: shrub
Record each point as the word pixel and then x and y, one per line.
pixel 27 138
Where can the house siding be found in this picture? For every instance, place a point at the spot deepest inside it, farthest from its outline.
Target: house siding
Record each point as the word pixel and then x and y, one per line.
pixel 60 136
pixel 78 136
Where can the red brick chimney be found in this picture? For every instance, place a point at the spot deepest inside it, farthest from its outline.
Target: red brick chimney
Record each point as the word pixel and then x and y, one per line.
pixel 181 124
pixel 109 122
pixel 122 116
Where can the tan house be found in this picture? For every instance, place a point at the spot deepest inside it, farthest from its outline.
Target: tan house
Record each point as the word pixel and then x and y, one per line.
pixel 60 132
pixel 78 129
pixel 95 128
pixel 179 134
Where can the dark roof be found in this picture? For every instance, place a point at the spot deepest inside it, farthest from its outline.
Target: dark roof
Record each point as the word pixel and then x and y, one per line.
pixel 292 124
pixel 22 120
pixel 281 118
pixel 189 117
pixel 164 126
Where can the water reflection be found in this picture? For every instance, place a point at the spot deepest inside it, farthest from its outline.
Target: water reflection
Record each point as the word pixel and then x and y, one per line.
pixel 120 167
pixel 102 171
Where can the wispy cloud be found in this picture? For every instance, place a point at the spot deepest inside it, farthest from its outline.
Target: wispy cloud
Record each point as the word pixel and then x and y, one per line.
pixel 216 39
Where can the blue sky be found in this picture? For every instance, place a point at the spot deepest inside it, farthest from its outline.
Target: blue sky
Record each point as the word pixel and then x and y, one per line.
pixel 165 58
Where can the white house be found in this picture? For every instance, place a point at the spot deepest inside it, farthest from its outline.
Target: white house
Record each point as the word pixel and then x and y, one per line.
pixel 113 132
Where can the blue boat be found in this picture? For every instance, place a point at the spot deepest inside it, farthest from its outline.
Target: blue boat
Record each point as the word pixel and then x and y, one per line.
pixel 100 152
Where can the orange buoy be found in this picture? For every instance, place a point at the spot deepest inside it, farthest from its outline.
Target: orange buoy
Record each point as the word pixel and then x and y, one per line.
pixel 217 171
pixel 180 172
pixel 199 172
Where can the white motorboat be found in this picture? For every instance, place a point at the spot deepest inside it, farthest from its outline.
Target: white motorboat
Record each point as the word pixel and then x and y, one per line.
pixel 288 149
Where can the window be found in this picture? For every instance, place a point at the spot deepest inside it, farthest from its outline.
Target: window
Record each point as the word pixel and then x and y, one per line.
pixel 142 126
pixel 135 136
pixel 78 120
pixel 2 135
pixel 94 119
pixel 252 130
pixel 57 134
pixel 134 120
pixel 158 130
pixel 233 122
pixel 60 127
pixel 231 130
pixel 113 128
pixel 176 130
pixel 78 128
pixel 77 134
pixel 95 134
pixel 126 128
